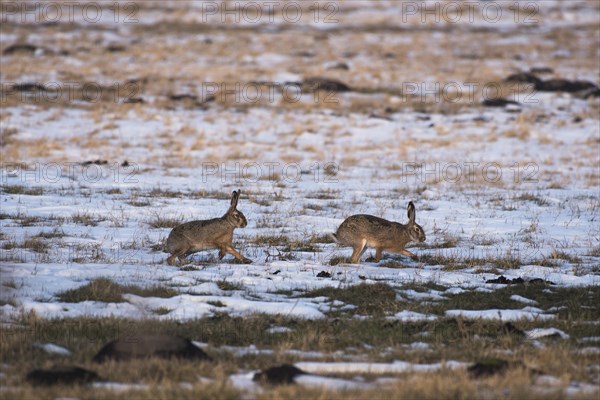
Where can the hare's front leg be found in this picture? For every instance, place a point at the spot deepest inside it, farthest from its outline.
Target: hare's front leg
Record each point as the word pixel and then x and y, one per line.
pixel 408 253
pixel 180 253
pixel 171 259
pixel 229 249
pixel 378 251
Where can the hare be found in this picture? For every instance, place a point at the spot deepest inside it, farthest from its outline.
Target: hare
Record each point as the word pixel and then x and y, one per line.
pixel 360 231
pixel 194 236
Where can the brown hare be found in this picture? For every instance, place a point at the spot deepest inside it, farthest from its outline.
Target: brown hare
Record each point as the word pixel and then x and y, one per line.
pixel 216 233
pixel 361 230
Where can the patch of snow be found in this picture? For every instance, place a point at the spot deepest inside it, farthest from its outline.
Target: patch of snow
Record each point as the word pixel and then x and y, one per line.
pixel 395 367
pixel 243 381
pixel 589 339
pixel 53 349
pixel 503 315
pixel 279 329
pixel 588 350
pixel 406 315
pixel 522 299
pixel 418 346
pixel 429 295
pixel 545 332
pixel 330 383
pixel 120 387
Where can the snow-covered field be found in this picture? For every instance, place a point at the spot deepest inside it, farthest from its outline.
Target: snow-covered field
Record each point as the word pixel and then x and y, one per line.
pixel 542 221
pixel 91 190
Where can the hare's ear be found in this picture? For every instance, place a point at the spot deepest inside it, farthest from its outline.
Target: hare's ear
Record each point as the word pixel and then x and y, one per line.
pixel 411 212
pixel 234 200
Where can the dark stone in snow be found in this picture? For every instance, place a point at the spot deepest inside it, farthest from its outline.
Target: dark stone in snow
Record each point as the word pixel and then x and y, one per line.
pixel 146 346
pixel 29 87
pixel 592 92
pixel 184 96
pixel 95 162
pixel 488 367
pixel 323 274
pixel 554 85
pixel 509 328
pixel 541 70
pixel 280 375
pixel 539 281
pixel 498 102
pixel 505 281
pixel 61 375
pixel 330 85
pixel 134 100
pixel 339 65
pixel 115 48
pixel 20 48
pixel 523 77
pixel 564 85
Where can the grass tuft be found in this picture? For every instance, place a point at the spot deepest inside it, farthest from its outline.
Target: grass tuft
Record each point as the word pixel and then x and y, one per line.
pixel 160 221
pixel 370 299
pixel 19 189
pixel 105 290
pixel 225 285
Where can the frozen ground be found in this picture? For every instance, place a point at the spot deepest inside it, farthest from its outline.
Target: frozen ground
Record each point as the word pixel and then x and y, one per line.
pixel 540 214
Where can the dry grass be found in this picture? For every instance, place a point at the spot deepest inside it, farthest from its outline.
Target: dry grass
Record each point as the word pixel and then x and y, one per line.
pixel 469 341
pixel 108 291
pixel 381 56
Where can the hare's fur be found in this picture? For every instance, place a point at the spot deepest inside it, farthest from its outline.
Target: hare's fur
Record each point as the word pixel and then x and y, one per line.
pixel 216 233
pixel 361 231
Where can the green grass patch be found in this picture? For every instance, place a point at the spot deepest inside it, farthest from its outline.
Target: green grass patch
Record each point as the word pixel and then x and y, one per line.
pixel 534 198
pixel 84 218
pixel 197 194
pixel 55 233
pixel 271 240
pixel 19 189
pixel 22 219
pixel 335 260
pixel 162 311
pixel 562 255
pixel 36 244
pixel 225 285
pixel 370 299
pixel 159 221
pixel 453 262
pixel 566 303
pixel 189 268
pixel 105 290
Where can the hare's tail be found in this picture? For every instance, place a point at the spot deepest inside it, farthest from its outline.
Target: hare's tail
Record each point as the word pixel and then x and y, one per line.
pixel 334 237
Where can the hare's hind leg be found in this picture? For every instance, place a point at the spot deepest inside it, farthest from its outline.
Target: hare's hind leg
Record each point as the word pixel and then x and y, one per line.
pixel 358 250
